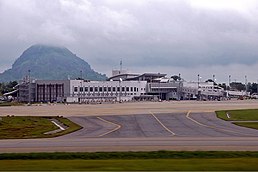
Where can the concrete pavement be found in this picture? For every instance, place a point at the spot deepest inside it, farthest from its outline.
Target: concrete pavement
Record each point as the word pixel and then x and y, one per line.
pixel 144 126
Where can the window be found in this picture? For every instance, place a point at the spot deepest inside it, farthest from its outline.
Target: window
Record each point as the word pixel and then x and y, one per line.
pixel 75 89
pixel 127 88
pixel 118 89
pixel 131 89
pixel 114 89
pixel 109 89
pixel 96 89
pixel 134 89
pixel 81 89
pixel 105 89
pixel 100 89
pixel 123 88
pixel 91 89
pixel 86 89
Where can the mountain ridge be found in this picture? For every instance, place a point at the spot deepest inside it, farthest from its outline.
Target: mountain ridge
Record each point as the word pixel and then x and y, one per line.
pixel 47 62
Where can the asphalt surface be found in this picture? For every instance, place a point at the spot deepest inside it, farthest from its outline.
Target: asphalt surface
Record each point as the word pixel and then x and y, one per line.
pixel 130 144
pixel 126 108
pixel 159 125
pixel 152 130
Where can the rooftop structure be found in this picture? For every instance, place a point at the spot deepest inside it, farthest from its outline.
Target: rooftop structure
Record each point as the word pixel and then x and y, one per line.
pixel 149 77
pixel 121 87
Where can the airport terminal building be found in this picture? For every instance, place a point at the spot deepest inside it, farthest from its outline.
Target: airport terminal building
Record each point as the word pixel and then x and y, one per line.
pixel 122 86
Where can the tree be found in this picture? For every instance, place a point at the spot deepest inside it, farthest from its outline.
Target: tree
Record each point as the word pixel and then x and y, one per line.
pixel 7 87
pixel 210 80
pixel 176 78
pixel 223 85
pixel 252 88
pixel 237 86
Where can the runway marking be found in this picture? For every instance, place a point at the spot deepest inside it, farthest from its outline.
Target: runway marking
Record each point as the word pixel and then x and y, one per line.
pixel 188 116
pixel 59 126
pixel 115 129
pixel 168 130
pixel 228 115
pixel 213 127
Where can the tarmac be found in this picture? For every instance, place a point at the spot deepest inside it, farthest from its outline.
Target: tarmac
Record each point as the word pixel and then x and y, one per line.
pixel 140 126
pixel 126 108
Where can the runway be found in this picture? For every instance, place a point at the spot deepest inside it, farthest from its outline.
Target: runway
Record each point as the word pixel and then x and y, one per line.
pixel 158 125
pixel 126 108
pixel 144 132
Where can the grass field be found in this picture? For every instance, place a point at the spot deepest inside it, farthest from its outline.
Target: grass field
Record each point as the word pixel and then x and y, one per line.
pixel 12 127
pixel 253 125
pixel 239 115
pixel 131 161
pixel 219 164
pixel 10 104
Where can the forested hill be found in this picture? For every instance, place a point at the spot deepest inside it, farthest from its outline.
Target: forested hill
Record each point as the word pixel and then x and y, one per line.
pixel 50 63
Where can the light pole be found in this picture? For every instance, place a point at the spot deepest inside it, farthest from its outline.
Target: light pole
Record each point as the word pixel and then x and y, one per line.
pixel 246 87
pixel 159 89
pixel 198 80
pixel 120 80
pixel 29 85
pixel 199 92
pixel 213 79
pixel 179 86
pixel 229 81
pixel 80 89
pixel 257 87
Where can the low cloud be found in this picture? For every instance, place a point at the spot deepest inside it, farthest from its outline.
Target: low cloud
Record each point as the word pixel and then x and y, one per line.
pixel 167 35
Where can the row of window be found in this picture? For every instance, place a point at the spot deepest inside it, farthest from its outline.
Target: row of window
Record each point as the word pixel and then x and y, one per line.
pixel 160 90
pixel 105 94
pixel 106 89
pixel 189 90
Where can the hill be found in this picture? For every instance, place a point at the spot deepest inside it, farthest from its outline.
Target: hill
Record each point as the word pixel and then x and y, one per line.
pixel 49 63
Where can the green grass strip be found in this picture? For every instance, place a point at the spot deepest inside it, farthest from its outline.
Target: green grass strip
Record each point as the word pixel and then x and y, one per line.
pixel 195 164
pixel 11 104
pixel 72 127
pixel 127 155
pixel 27 127
pixel 238 115
pixel 253 125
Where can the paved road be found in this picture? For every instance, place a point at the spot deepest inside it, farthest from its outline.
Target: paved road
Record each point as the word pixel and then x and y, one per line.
pixel 152 131
pixel 92 127
pixel 127 108
pixel 159 125
pixel 130 144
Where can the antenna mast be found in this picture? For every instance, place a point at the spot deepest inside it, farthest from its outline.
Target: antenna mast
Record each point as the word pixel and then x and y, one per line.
pixel 121 65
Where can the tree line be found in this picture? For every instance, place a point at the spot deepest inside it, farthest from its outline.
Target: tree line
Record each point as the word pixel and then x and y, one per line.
pixel 238 86
pixel 7 87
pixel 251 87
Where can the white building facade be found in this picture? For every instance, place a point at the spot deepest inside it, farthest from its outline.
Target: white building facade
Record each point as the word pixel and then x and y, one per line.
pixel 118 88
pixel 202 90
pixel 105 91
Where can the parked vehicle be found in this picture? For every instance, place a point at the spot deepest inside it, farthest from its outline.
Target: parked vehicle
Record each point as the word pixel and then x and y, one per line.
pixel 254 96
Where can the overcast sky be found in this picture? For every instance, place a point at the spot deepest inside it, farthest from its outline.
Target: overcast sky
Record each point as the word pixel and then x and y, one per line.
pixel 191 37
